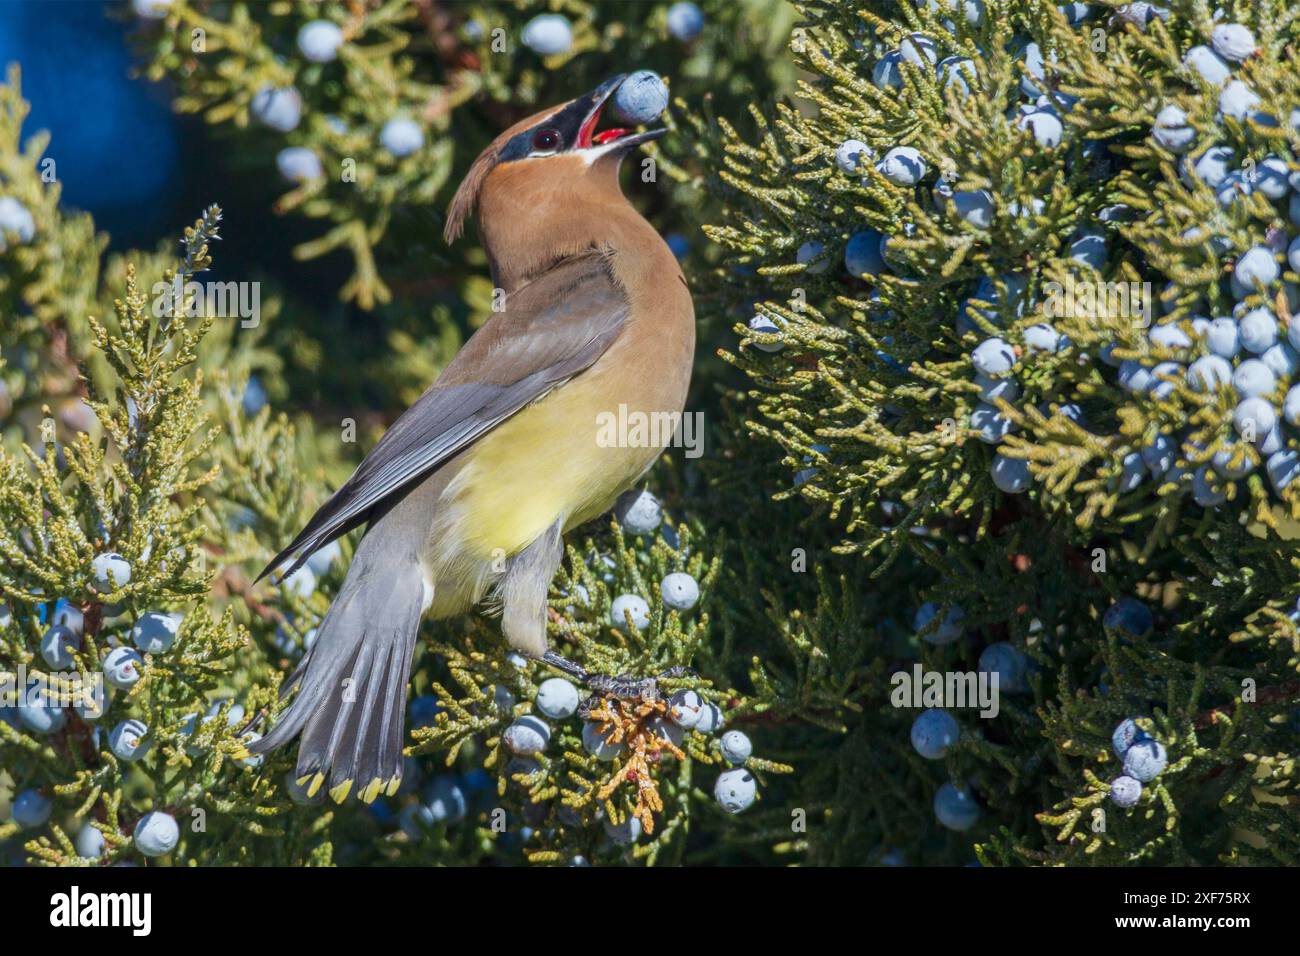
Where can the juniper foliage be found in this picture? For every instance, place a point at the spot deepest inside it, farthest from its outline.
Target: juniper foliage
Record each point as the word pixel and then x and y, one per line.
pixel 1086 463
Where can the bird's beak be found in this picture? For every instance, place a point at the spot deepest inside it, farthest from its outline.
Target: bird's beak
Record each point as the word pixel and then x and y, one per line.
pixel 593 103
pixel 636 139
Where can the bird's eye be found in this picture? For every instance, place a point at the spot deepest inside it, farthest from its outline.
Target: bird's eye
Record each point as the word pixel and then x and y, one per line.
pixel 546 140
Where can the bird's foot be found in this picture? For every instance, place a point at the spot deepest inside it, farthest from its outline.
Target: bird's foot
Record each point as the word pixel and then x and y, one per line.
pixel 621 686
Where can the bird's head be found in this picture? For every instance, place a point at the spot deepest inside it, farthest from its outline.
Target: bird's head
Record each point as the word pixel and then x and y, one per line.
pixel 546 160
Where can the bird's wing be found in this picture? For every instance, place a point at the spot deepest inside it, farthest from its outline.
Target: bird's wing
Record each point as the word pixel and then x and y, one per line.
pixel 549 330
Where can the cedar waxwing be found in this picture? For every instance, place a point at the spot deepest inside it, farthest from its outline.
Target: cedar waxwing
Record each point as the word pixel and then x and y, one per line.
pixel 468 493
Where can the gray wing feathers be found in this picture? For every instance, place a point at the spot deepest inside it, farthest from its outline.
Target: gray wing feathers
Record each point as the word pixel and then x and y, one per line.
pixel 551 329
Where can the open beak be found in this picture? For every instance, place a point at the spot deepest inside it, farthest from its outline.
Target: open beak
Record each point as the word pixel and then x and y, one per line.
pixel 594 102
pixel 636 139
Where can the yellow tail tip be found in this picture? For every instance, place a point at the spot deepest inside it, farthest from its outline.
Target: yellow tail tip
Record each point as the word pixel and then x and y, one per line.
pixel 340 793
pixel 315 785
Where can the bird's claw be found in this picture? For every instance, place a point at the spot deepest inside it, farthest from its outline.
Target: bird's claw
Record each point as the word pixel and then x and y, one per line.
pixel 678 672
pixel 621 686
pixel 624 686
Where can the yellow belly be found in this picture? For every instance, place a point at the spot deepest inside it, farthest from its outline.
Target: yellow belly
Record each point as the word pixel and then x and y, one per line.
pixel 551 460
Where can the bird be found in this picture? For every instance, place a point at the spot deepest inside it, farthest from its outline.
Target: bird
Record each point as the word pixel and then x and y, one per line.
pixel 466 497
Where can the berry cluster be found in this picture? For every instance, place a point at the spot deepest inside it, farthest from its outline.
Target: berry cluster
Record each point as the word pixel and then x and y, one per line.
pixel 1144 759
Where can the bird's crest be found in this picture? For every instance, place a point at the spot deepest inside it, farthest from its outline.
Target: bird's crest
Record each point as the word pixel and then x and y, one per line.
pixel 462 204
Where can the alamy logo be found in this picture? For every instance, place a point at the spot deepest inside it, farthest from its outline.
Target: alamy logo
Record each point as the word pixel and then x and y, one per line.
pixel 951 690
pixel 134 910
pixel 221 300
pixel 1075 299
pixel 636 429
pixel 38 689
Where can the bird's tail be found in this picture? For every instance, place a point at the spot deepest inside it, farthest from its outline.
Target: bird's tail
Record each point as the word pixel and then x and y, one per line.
pixel 352 681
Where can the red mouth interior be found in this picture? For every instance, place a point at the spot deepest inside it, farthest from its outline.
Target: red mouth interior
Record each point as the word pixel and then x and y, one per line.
pixel 587 135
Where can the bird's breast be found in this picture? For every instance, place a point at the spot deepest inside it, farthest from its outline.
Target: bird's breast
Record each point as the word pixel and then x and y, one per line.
pixel 569 454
